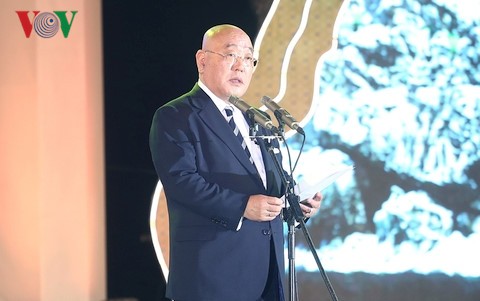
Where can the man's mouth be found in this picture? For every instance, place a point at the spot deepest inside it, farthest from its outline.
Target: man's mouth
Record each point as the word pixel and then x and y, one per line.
pixel 236 80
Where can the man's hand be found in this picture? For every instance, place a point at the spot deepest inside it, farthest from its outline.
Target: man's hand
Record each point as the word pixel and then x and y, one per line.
pixel 310 206
pixel 263 208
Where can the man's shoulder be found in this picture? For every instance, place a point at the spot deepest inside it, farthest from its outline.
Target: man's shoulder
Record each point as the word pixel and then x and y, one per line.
pixel 194 93
pixel 193 100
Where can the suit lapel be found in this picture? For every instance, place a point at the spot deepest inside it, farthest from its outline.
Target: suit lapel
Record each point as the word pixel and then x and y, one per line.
pixel 214 120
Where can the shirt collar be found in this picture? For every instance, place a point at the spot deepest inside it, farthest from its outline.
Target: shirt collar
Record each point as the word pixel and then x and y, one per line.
pixel 219 103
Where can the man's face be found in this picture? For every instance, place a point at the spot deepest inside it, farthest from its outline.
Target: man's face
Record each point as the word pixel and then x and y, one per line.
pixel 225 63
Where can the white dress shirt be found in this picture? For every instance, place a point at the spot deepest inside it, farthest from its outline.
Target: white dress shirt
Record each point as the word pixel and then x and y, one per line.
pixel 243 127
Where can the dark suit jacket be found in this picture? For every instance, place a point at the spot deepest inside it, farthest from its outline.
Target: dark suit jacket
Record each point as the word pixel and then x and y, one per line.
pixel 208 179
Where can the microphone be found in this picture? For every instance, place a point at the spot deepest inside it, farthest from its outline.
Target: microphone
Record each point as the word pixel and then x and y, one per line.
pixel 282 114
pixel 259 116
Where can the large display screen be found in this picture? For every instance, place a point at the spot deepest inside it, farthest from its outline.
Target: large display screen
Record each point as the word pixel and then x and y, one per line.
pixel 399 99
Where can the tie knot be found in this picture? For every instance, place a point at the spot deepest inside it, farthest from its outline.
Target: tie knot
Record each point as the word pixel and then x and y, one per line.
pixel 228 111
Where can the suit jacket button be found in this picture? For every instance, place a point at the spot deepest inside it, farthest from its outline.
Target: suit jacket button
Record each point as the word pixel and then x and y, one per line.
pixel 266 232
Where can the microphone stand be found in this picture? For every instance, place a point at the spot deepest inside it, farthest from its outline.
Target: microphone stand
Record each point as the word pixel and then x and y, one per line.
pixel 292 215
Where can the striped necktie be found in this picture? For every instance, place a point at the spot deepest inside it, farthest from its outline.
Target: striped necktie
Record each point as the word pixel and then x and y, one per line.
pixel 237 133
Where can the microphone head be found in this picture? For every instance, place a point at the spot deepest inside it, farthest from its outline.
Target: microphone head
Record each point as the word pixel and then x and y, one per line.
pixel 282 115
pixel 260 117
pixel 265 99
pixel 270 103
pixel 233 99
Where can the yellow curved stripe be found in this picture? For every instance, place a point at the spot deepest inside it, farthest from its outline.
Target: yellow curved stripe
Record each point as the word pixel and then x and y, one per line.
pixel 290 44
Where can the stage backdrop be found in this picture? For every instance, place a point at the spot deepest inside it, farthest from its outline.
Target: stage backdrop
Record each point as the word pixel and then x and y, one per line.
pixel 52 228
pixel 397 97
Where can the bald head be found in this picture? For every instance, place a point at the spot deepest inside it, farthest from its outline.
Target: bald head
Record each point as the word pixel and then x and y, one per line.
pixel 223 64
pixel 220 32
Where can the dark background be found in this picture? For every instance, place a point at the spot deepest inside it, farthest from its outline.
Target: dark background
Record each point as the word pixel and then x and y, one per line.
pixel 149 58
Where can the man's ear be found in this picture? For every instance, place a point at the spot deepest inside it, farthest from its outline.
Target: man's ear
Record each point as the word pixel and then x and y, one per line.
pixel 200 59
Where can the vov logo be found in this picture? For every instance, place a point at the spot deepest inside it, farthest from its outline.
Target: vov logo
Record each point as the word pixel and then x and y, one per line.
pixel 46 24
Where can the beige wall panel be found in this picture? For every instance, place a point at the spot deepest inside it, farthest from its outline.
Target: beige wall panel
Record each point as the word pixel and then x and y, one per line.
pixel 52 234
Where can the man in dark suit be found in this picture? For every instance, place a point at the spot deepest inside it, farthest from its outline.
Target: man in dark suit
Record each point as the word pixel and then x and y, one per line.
pixel 223 192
